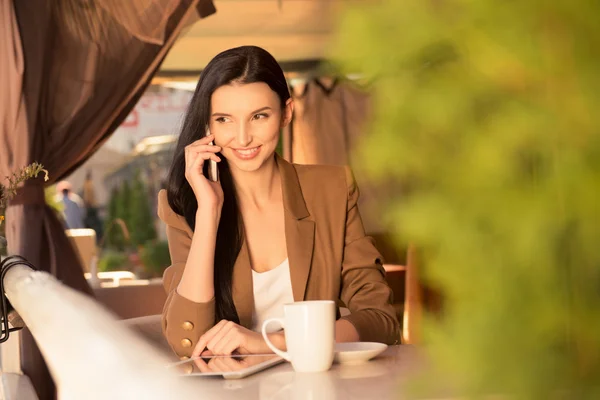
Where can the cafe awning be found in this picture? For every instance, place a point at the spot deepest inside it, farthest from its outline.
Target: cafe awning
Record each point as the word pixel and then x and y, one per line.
pixel 292 30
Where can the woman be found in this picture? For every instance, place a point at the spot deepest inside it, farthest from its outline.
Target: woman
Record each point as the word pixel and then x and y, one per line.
pixel 267 232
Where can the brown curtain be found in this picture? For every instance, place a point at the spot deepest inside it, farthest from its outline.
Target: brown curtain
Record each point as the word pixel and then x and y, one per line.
pixel 70 72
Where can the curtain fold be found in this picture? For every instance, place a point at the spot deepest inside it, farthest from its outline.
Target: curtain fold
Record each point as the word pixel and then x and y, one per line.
pixel 329 124
pixel 329 121
pixel 70 72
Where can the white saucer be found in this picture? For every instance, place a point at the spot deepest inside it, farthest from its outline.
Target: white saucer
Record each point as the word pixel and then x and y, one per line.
pixel 357 352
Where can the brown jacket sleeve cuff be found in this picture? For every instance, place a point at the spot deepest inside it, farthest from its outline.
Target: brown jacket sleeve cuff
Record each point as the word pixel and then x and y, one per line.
pixel 374 326
pixel 184 321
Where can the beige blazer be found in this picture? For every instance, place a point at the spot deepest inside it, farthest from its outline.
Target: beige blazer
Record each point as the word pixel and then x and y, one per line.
pixel 329 255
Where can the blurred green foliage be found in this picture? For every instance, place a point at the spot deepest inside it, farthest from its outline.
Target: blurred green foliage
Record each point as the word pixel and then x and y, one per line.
pixel 129 203
pixel 53 201
pixel 155 257
pixel 484 112
pixel 113 234
pixel 112 260
pixel 124 204
pixel 141 219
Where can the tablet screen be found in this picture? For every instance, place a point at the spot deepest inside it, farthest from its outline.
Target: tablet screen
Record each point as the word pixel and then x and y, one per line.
pixel 227 366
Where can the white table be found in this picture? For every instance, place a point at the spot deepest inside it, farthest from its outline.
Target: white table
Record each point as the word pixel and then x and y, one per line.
pixel 380 379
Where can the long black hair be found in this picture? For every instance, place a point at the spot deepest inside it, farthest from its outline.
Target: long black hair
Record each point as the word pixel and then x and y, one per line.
pixel 246 64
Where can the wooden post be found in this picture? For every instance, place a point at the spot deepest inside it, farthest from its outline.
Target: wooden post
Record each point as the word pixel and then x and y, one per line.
pixel 413 306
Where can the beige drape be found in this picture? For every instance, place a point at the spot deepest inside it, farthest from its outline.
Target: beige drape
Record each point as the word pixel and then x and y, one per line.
pixel 70 72
pixel 330 122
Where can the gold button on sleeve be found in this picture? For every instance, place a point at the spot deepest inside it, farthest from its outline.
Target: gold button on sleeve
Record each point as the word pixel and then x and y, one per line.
pixel 187 326
pixel 183 358
pixel 186 343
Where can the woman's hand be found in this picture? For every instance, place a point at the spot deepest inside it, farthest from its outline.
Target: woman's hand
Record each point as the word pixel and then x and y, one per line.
pixel 208 194
pixel 221 364
pixel 226 337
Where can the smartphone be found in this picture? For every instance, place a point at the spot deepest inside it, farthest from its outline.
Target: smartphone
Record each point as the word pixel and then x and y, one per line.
pixel 211 170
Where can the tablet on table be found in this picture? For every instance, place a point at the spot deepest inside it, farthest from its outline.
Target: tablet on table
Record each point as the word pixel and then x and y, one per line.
pixel 228 367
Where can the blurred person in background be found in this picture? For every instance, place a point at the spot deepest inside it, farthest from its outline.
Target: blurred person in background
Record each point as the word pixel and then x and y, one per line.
pixel 89 196
pixel 73 206
pixel 91 219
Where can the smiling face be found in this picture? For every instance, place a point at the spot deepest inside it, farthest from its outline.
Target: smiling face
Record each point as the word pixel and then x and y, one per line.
pixel 246 120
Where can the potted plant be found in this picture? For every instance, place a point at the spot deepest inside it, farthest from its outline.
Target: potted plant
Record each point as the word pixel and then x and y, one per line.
pixel 8 191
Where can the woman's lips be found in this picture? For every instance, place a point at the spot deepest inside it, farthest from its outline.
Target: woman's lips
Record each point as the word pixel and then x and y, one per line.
pixel 247 154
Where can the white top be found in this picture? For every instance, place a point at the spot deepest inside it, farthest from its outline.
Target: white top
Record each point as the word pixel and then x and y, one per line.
pixel 272 289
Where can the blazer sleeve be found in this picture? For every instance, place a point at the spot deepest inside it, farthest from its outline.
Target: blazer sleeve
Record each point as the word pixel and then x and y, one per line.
pixel 183 321
pixel 364 288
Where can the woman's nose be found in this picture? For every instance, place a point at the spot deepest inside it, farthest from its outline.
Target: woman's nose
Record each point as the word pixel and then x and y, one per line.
pixel 243 136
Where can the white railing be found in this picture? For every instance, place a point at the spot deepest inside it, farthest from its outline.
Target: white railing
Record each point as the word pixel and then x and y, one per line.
pixel 89 353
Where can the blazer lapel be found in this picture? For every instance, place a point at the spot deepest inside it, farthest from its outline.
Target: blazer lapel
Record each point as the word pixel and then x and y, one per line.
pixel 242 288
pixel 299 231
pixel 299 237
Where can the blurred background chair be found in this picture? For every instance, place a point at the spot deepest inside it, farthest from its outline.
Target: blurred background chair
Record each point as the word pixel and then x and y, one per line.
pixel 84 240
pixel 121 292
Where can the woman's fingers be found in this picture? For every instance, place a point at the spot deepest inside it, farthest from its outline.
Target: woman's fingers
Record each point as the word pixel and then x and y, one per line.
pixel 200 147
pixel 225 364
pixel 193 150
pixel 214 344
pixel 202 366
pixel 228 342
pixel 204 140
pixel 193 156
pixel 199 160
pixel 204 339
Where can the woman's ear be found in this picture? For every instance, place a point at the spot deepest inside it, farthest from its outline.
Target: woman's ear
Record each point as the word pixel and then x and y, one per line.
pixel 288 112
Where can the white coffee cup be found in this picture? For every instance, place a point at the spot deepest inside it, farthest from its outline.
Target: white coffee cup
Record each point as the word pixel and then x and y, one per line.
pixel 309 328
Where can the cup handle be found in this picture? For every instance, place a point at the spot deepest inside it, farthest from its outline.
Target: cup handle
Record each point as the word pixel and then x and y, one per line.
pixel 280 353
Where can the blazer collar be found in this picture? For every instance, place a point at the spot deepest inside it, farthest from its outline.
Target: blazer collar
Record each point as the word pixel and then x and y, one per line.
pixel 293 200
pixel 299 230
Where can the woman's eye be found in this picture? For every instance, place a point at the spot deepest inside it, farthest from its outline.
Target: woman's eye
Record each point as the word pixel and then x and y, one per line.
pixel 221 119
pixel 260 116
